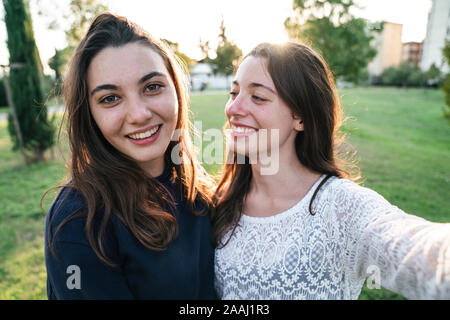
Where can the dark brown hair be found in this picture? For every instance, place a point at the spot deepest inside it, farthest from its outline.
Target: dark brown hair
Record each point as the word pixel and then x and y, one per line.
pixel 107 178
pixel 304 82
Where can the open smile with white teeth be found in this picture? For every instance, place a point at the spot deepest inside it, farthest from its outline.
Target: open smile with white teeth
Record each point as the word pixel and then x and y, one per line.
pixel 144 135
pixel 242 129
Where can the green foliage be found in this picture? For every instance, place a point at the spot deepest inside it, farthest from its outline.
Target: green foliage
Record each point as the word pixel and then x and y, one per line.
pixel 227 58
pixel 446 89
pixel 404 75
pixel 343 40
pixel 408 75
pixel 433 75
pixel 446 84
pixel 80 15
pixel 49 86
pixel 57 63
pixel 227 54
pixel 3 99
pixel 188 62
pixel 25 82
pixel 204 48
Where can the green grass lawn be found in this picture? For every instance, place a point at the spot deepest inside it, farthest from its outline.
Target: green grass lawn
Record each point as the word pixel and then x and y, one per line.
pixel 401 138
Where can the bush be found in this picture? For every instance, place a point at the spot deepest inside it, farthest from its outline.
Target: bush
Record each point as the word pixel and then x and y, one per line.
pixel 37 132
pixel 408 75
pixel 3 100
pixel 405 75
pixel 446 89
pixel 446 84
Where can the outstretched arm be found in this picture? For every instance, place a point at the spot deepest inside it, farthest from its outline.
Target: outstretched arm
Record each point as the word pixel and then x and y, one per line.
pixel 411 254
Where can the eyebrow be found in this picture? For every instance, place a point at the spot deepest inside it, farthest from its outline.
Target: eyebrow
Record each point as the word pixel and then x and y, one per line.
pixel 114 87
pixel 257 85
pixel 151 75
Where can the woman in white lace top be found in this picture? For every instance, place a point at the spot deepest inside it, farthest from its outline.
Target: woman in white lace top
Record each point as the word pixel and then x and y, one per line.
pixel 303 229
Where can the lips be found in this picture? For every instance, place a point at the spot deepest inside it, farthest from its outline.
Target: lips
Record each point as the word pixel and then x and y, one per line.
pixel 241 128
pixel 144 133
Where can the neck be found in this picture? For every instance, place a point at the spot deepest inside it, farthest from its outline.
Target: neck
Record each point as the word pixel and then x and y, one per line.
pixel 154 168
pixel 292 177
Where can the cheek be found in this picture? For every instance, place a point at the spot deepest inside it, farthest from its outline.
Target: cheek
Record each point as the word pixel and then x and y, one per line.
pixel 264 117
pixel 108 121
pixel 167 106
pixel 227 108
pixel 171 112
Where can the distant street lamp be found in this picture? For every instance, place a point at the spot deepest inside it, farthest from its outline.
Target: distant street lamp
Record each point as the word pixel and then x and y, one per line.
pixel 12 66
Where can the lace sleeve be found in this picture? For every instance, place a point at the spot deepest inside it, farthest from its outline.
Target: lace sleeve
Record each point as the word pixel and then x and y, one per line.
pixel 410 254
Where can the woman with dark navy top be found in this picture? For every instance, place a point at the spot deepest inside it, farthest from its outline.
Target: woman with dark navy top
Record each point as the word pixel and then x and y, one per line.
pixel 132 222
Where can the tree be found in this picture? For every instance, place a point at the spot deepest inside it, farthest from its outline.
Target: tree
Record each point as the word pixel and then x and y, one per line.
pixel 405 75
pixel 36 131
pixel 433 76
pixel 204 48
pixel 80 14
pixel 3 101
pixel 446 84
pixel 183 57
pixel 330 28
pixel 57 63
pixel 227 54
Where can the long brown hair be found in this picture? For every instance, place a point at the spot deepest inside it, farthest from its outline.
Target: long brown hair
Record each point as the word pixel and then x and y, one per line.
pixel 305 83
pixel 107 178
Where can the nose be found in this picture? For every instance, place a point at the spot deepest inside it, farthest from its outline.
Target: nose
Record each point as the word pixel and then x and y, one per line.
pixel 138 111
pixel 236 107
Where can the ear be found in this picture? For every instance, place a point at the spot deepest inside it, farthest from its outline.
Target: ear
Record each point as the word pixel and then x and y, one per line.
pixel 297 123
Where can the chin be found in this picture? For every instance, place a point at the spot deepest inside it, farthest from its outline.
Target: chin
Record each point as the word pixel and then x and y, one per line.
pixel 148 157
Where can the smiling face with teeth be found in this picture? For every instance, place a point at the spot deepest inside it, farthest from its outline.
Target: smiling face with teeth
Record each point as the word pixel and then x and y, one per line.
pixel 134 102
pixel 255 112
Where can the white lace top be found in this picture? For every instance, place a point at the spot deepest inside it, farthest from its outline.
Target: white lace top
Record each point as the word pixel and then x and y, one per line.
pixel 354 234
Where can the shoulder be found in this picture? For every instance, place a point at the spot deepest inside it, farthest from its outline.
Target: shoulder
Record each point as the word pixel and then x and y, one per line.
pixel 66 221
pixel 348 196
pixel 67 203
pixel 67 215
pixel 340 187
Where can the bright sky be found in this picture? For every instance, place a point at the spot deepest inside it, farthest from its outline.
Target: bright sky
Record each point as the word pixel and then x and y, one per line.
pixel 248 22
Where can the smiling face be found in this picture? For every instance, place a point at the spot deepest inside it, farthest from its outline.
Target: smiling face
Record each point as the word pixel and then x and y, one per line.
pixel 256 111
pixel 134 103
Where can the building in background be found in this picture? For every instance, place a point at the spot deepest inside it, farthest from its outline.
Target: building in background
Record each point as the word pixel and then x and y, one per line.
pixel 202 77
pixel 389 46
pixel 412 52
pixel 438 31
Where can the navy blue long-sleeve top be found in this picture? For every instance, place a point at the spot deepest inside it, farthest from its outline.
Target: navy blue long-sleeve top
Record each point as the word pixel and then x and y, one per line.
pixel 185 270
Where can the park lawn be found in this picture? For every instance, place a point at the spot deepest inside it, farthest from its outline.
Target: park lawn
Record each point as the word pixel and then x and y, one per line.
pixel 401 139
pixel 403 147
pixel 403 144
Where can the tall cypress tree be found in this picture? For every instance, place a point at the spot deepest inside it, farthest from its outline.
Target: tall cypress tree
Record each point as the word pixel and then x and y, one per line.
pixel 25 82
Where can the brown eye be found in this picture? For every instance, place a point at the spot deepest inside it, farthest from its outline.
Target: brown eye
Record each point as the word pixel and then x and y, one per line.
pixel 232 94
pixel 109 99
pixel 259 99
pixel 153 87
